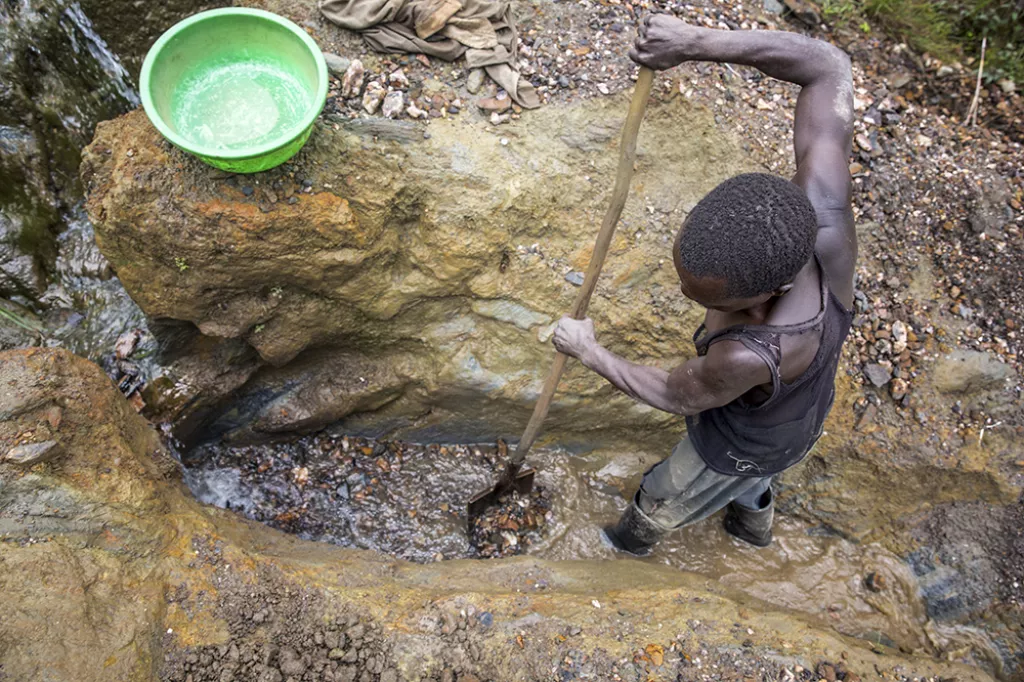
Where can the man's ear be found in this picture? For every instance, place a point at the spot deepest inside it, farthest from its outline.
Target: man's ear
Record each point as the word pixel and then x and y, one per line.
pixel 783 289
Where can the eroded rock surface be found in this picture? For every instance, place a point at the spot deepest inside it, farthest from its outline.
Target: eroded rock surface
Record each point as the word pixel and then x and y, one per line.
pixel 110 571
pixel 413 283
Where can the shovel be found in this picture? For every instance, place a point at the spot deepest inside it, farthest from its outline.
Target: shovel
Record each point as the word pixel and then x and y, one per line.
pixel 514 475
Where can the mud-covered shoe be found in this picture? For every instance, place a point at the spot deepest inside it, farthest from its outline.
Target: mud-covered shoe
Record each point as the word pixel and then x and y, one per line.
pixel 634 533
pixel 752 525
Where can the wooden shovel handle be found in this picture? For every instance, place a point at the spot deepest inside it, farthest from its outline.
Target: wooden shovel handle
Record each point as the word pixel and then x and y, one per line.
pixel 623 176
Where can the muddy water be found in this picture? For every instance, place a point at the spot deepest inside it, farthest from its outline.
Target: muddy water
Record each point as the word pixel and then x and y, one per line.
pixel 409 501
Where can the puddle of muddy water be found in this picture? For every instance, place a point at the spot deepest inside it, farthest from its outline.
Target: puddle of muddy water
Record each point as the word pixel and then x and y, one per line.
pixel 409 501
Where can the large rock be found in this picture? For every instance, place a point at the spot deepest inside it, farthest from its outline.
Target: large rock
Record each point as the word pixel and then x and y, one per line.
pixel 970 371
pixel 417 279
pixel 110 571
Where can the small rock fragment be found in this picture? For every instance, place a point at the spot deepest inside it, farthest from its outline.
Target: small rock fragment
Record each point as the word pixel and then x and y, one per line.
pixel 394 102
pixel 373 96
pixel 501 103
pixel 352 83
pixel 867 417
pixel 337 64
pixel 498 119
pixel 898 389
pixel 398 79
pixel 126 343
pixel 475 81
pixel 877 375
pixel 28 454
pixel 414 111
pixel 899 337
pixel 827 672
pixel 575 278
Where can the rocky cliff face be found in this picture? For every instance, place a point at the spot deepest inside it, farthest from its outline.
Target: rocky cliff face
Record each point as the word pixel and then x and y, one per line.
pixel 110 571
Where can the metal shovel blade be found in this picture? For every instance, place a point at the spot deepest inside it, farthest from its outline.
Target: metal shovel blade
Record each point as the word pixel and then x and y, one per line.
pixel 521 482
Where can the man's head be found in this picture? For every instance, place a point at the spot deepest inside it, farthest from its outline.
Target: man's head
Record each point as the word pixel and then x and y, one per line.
pixel 745 242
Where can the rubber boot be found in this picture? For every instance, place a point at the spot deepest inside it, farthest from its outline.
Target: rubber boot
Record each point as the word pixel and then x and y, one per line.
pixel 752 525
pixel 635 533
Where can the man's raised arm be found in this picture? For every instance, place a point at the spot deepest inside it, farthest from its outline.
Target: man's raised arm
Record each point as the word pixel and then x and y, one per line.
pixel 824 115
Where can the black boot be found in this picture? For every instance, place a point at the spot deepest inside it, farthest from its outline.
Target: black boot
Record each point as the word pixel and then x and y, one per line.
pixel 752 525
pixel 635 533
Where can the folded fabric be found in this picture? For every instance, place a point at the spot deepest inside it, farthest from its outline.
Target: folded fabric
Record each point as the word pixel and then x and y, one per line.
pixel 480 30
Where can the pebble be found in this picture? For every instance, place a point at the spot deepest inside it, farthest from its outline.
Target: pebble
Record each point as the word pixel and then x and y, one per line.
pixel 247 191
pixel 898 388
pixel 877 374
pixel 398 79
pixel 352 83
pixel 394 102
pixel 875 581
pixel 29 454
pixel 495 103
pixel 899 337
pixel 337 64
pixel 373 96
pixel 475 81
pixel 575 278
pixel 415 112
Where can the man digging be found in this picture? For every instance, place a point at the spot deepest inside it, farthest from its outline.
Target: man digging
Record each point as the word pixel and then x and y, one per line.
pixel 772 260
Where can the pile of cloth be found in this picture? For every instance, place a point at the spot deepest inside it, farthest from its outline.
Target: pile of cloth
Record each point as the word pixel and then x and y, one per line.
pixel 479 30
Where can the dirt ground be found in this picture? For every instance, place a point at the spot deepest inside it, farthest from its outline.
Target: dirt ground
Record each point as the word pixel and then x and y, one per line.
pixel 279 631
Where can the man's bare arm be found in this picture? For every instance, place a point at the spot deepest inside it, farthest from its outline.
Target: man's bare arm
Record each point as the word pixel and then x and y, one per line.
pixel 727 372
pixel 824 115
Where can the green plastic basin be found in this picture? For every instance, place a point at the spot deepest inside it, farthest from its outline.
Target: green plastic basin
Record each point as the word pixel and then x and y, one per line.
pixel 239 88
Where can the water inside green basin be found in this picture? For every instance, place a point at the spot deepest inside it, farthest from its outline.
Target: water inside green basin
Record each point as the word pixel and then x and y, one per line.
pixel 238 104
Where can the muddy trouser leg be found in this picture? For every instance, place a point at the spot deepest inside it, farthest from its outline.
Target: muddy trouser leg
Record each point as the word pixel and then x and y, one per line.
pixel 750 515
pixel 677 492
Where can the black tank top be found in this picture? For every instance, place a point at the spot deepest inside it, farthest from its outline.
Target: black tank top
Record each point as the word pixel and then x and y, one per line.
pixel 755 440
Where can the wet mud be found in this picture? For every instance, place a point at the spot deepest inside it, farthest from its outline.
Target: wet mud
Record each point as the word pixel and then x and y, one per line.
pixel 409 501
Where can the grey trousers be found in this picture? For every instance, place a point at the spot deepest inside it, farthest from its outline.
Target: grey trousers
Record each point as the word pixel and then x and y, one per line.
pixel 681 490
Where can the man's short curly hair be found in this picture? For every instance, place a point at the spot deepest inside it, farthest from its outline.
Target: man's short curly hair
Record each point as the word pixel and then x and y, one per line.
pixel 754 231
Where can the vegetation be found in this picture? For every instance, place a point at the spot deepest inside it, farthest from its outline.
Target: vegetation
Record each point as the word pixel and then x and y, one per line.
pixel 12 318
pixel 947 29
